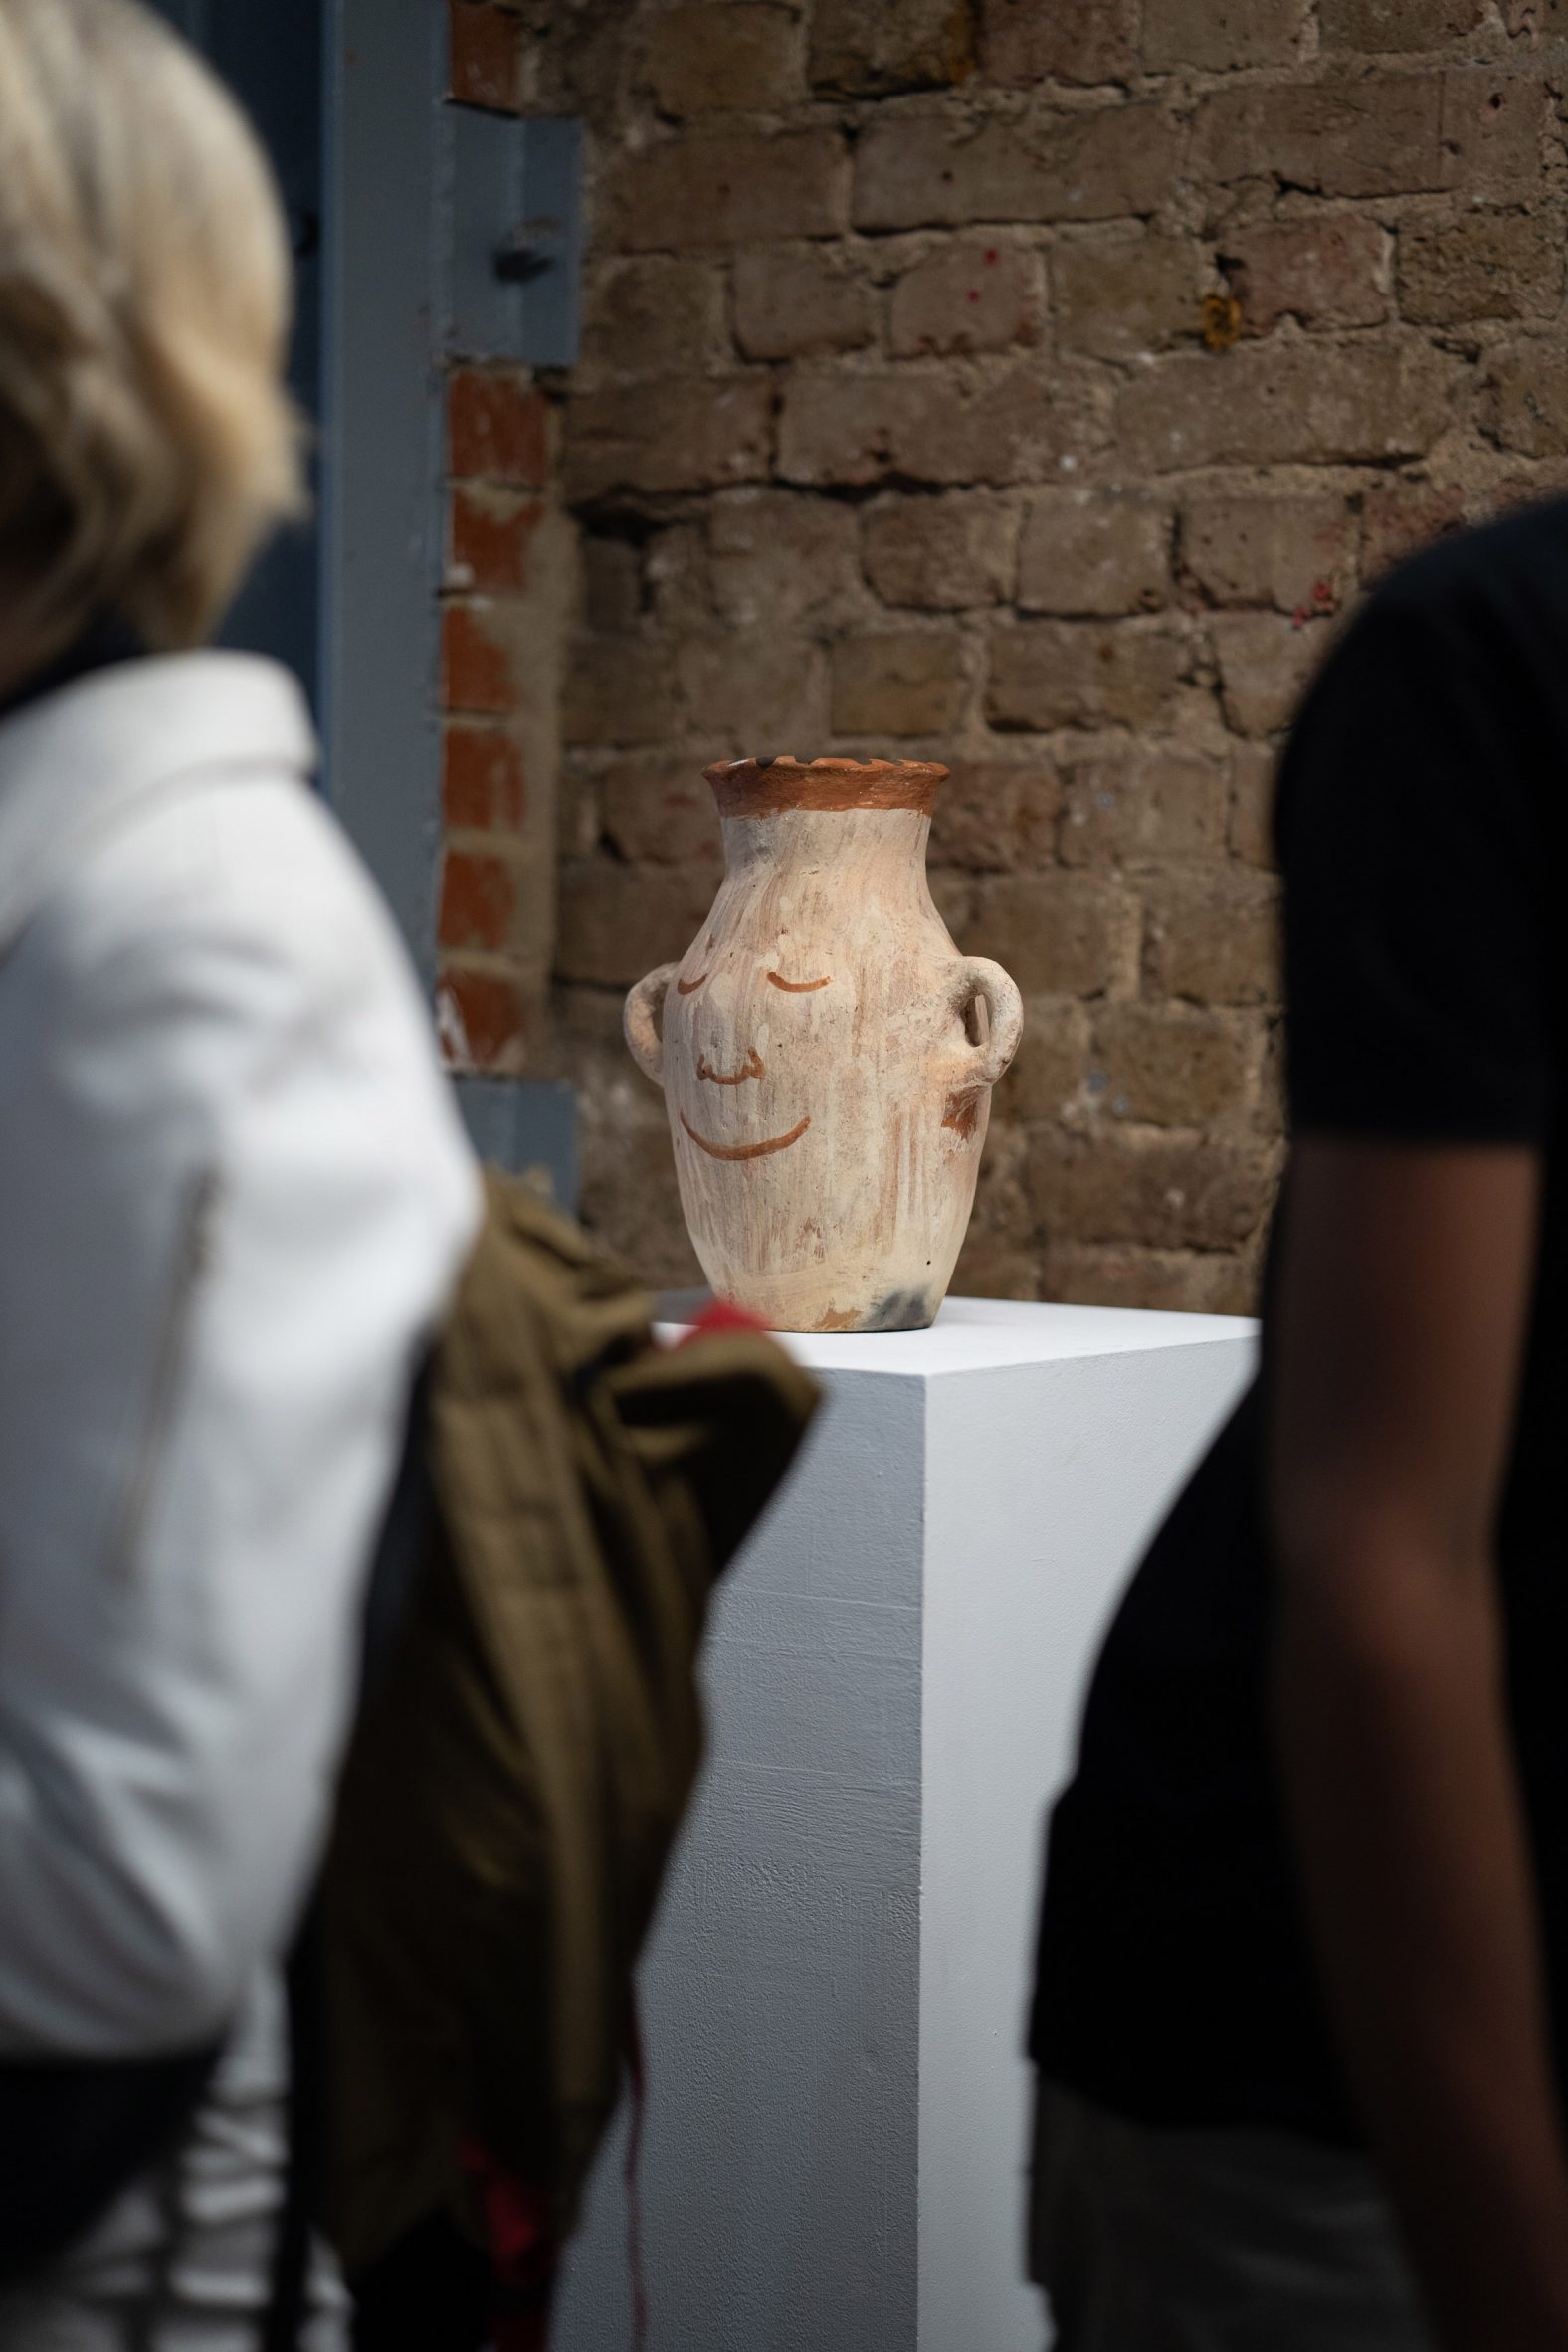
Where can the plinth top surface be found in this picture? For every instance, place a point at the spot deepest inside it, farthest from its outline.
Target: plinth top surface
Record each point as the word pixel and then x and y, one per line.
pixel 987 1334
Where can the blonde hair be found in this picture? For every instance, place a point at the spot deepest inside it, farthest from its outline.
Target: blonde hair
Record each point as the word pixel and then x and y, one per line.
pixel 146 443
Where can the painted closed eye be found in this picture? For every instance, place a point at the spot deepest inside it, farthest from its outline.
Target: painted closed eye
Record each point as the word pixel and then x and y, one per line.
pixel 690 987
pixel 797 987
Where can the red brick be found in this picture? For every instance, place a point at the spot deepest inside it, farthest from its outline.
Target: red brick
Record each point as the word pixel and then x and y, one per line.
pixel 702 60
pixel 1481 265
pixel 654 315
pixel 1117 298
pixel 1094 553
pixel 967 298
pixel 931 171
pixel 1066 673
pixel 865 428
pixel 621 691
pixel 1329 271
pixel 490 533
pixel 1266 660
pixel 996 814
pixel 1397 24
pixel 1024 43
pixel 693 434
pixel 1291 553
pixel 777 557
pixel 1059 934
pixel 793 305
pixel 1173 1196
pixel 1526 405
pixel 1218 35
pixel 728 190
pixel 908 684
pixel 618 921
pixel 763 692
pixel 871 48
pixel 486 54
pixel 661 811
pixel 498 427
pixel 477 668
pixel 1269 403
pixel 1215 943
pixel 1402 514
pixel 482 779
pixel 490 1013
pixel 939 554
pixel 479 899
pixel 1149 808
pixel 1169 1067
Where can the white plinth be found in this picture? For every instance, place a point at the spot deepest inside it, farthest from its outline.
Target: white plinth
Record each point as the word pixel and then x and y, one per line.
pixel 835 2001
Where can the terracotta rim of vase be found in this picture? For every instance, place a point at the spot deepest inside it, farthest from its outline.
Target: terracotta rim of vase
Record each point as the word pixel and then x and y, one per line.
pixel 767 787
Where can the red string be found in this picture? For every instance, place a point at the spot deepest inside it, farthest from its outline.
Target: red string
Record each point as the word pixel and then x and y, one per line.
pixel 525 2252
pixel 720 1316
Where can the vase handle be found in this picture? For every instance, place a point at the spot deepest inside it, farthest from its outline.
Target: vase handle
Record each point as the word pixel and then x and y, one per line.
pixel 976 977
pixel 644 1005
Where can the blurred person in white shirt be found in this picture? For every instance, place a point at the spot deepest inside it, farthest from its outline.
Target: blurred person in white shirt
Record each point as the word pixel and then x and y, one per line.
pixel 234 1195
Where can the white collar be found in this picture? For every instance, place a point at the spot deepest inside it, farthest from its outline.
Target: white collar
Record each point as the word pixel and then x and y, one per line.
pixel 75 760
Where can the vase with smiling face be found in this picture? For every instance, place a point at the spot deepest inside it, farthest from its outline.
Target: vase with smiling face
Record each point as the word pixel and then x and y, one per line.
pixel 826 1052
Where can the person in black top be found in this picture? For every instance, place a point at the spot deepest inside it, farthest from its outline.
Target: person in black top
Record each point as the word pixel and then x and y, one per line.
pixel 1301 2013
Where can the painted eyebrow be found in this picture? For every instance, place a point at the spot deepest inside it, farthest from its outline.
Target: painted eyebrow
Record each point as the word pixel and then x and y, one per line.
pixel 690 987
pixel 798 987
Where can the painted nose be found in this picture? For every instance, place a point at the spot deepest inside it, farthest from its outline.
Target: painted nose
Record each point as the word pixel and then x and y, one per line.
pixel 753 1067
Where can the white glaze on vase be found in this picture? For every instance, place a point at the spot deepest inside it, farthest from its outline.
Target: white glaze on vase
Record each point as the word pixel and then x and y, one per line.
pixel 826 1052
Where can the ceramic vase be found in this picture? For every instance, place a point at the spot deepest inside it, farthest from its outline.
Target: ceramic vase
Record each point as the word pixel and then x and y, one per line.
pixel 827 1055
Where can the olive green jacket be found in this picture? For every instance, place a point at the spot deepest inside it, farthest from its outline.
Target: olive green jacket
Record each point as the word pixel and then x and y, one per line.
pixel 518 1775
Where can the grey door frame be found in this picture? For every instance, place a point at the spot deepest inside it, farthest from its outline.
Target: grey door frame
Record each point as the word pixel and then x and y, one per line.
pixel 383 509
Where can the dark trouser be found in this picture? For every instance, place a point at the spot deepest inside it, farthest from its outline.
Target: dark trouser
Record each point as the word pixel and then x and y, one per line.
pixel 1151 2240
pixel 430 2293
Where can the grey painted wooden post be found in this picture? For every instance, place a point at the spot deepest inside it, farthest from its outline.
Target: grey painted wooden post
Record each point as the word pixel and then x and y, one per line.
pixel 382 446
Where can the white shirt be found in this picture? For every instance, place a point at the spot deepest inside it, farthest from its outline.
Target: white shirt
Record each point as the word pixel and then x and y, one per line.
pixel 234 1199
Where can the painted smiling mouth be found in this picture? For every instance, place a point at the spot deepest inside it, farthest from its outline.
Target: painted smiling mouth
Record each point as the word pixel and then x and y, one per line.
pixel 745 1151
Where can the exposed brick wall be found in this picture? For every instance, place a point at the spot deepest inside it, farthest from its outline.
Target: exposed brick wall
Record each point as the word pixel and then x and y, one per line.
pixel 1033 384
pixel 509 582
